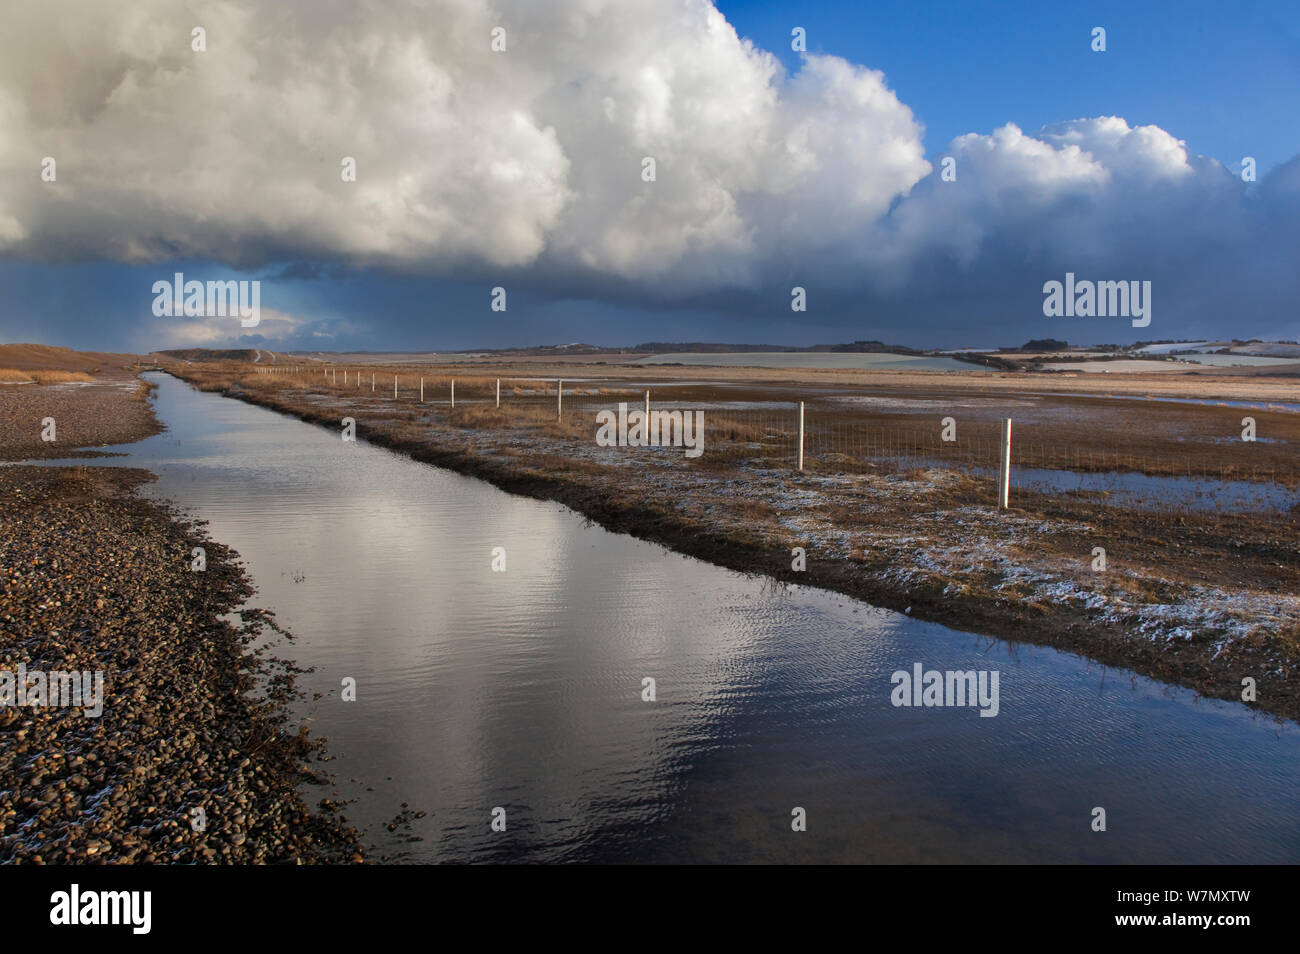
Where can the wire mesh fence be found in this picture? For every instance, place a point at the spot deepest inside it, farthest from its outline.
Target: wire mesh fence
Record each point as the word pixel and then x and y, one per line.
pixel 833 442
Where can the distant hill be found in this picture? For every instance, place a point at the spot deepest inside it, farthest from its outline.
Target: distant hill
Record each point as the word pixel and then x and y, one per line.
pixel 712 347
pixel 575 348
pixel 690 347
pixel 705 347
pixel 1045 344
pixel 211 354
pixel 36 357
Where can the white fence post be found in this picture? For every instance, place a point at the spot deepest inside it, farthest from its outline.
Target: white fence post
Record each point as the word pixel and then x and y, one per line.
pixel 1004 466
pixel 801 435
pixel 453 392
pixel 498 392
pixel 559 400
pixel 647 410
pixel 394 387
pixel 421 390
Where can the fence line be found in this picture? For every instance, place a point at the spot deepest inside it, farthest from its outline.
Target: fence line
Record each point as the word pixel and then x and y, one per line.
pixel 828 442
pixel 1049 476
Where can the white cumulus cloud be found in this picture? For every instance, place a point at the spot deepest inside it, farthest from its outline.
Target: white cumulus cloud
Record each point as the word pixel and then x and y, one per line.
pixel 529 161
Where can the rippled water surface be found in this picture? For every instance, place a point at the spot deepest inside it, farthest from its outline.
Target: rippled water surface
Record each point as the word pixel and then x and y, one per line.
pixel 523 689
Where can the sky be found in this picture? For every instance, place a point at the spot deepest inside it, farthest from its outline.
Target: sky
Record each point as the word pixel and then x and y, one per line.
pixel 1219 75
pixel 780 176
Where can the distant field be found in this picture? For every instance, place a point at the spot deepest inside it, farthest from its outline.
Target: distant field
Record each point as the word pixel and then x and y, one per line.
pixel 1185 363
pixel 1122 366
pixel 864 361
pixel 1257 349
pixel 1234 360
pixel 1179 346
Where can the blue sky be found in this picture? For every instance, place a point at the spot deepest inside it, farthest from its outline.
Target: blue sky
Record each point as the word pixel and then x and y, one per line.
pixel 1225 77
pixel 525 170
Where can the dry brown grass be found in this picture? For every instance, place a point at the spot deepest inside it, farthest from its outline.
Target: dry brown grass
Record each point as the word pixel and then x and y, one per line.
pixel 14 376
pixel 723 428
pixel 142 391
pixel 579 427
pixel 559 465
pixel 483 415
pixel 61 377
pixel 531 416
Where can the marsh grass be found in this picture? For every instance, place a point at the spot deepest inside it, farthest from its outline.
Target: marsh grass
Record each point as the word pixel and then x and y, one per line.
pixel 14 376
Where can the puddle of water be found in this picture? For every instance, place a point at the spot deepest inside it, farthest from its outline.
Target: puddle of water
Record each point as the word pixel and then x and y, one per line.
pixel 1193 492
pixel 1204 402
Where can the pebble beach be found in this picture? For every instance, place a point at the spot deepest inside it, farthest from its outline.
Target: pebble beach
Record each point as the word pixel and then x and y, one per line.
pixel 193 758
